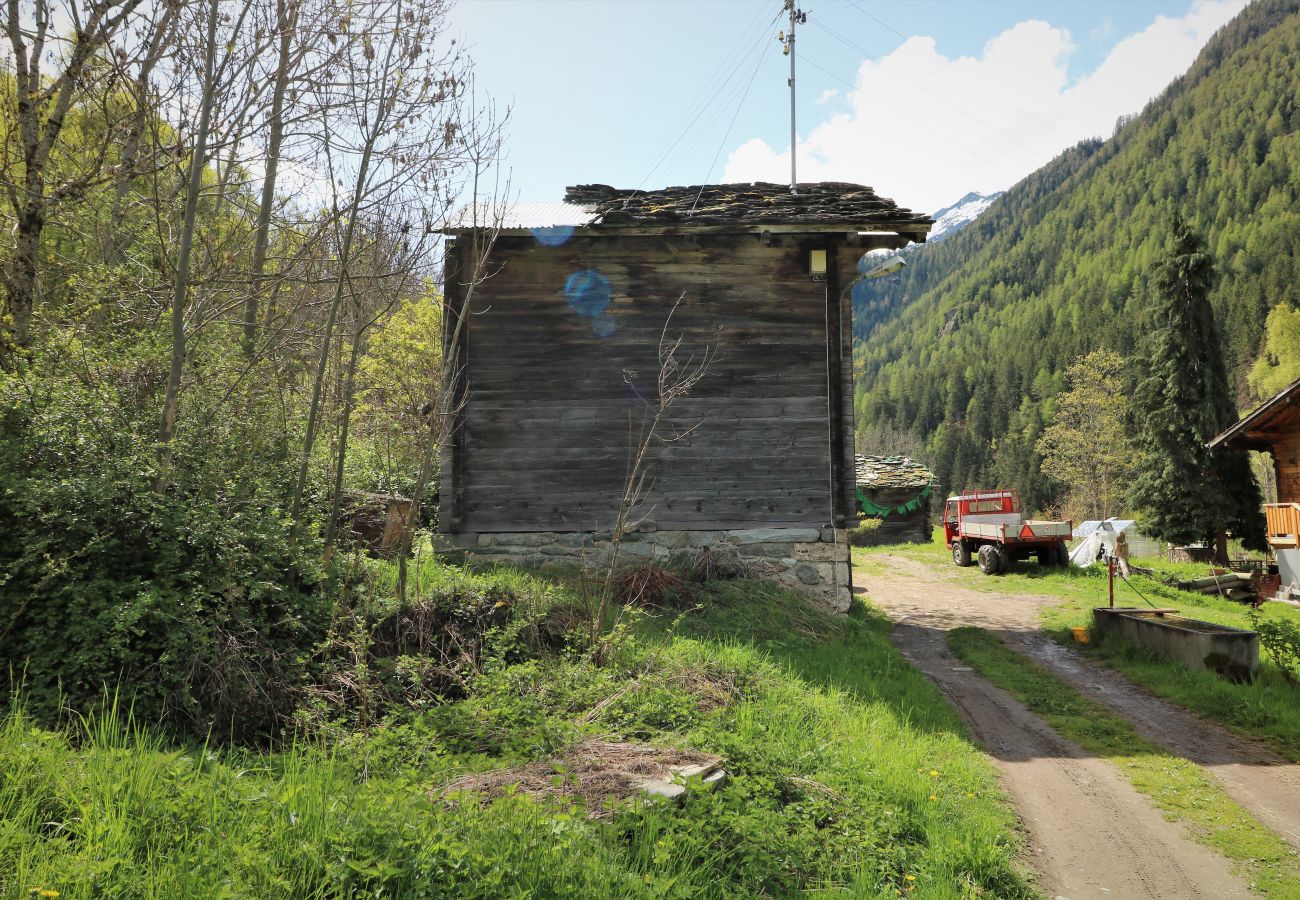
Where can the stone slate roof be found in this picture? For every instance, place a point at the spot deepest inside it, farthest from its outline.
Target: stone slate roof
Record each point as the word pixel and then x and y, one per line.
pixel 876 472
pixel 817 203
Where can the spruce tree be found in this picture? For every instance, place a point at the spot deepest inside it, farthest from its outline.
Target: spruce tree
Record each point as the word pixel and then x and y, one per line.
pixel 1186 492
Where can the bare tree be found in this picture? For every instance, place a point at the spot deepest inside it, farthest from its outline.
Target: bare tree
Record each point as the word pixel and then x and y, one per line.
pixel 372 297
pixel 198 161
pixel 396 131
pixel 306 49
pixel 484 214
pixel 677 376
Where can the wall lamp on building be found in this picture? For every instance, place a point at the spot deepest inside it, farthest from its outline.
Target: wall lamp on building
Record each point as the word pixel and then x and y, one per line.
pixel 817 265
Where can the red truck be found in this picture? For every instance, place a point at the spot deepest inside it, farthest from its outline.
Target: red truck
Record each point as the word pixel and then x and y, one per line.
pixel 987 525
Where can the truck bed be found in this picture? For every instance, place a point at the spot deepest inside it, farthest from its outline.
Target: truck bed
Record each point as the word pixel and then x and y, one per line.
pixel 1007 528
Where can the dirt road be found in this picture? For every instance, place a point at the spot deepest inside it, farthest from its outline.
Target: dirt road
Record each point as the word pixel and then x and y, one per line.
pixel 1091 834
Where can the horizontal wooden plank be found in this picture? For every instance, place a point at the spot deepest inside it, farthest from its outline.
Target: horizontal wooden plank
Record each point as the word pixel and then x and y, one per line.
pixel 583 408
pixel 613 387
pixel 676 455
pixel 685 509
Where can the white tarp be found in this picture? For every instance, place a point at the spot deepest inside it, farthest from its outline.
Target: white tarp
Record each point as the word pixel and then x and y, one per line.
pixel 1097 539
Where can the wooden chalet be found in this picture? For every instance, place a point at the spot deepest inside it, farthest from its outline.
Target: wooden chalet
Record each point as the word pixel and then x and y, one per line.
pixel 558 361
pixel 1275 427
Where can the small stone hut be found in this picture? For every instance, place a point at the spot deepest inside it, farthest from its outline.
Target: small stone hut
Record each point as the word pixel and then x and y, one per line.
pixel 896 491
pixel 560 350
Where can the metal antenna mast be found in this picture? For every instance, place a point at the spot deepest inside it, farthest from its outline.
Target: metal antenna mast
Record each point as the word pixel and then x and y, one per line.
pixel 797 17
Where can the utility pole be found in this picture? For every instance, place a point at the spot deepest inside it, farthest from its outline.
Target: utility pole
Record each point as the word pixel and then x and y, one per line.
pixel 797 17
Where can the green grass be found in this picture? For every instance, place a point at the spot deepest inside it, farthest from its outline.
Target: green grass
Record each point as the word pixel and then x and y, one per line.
pixel 1267 709
pixel 849 773
pixel 1178 787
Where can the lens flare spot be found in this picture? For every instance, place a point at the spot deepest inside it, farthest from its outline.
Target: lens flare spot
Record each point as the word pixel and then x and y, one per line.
pixel 604 327
pixel 553 235
pixel 588 293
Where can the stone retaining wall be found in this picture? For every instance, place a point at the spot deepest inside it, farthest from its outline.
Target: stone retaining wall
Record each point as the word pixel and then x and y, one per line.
pixel 812 561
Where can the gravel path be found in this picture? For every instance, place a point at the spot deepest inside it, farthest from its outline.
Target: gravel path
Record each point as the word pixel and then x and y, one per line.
pixel 1091 834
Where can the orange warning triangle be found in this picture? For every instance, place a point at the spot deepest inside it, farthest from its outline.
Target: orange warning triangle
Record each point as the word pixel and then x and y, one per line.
pixel 1026 531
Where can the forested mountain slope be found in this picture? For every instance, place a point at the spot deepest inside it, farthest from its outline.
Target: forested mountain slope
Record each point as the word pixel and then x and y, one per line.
pixel 965 351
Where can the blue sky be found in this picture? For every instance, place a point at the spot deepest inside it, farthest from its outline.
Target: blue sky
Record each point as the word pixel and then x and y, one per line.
pixel 923 99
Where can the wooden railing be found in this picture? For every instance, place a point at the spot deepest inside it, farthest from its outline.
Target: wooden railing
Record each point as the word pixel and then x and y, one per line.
pixel 1283 524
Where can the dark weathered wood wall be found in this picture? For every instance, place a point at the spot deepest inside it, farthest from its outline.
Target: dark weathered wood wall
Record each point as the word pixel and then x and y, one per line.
pixel 552 407
pixel 898 528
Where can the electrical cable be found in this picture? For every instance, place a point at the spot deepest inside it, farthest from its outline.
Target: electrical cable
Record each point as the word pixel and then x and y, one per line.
pixel 682 125
pixel 726 96
pixel 678 134
pixel 730 125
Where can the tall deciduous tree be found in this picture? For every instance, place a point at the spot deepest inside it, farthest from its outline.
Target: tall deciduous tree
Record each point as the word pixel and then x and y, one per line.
pixel 40 106
pixel 1279 364
pixel 1187 492
pixel 1086 447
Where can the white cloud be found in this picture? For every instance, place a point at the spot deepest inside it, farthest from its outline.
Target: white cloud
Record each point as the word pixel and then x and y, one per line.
pixel 828 94
pixel 925 129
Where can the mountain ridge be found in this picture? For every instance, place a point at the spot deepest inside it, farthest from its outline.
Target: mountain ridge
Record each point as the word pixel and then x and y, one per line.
pixel 965 350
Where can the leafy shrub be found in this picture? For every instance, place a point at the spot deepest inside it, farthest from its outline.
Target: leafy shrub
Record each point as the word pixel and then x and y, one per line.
pixel 1281 638
pixel 865 534
pixel 194 597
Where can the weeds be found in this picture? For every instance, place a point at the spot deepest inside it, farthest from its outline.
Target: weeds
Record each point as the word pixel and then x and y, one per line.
pixel 828 735
pixel 652 586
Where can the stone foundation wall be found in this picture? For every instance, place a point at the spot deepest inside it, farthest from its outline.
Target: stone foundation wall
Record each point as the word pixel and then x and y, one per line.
pixel 813 561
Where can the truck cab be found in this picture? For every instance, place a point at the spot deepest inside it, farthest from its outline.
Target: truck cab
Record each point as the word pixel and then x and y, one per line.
pixel 984 507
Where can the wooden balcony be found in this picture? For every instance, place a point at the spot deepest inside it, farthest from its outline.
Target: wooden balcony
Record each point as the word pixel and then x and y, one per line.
pixel 1283 525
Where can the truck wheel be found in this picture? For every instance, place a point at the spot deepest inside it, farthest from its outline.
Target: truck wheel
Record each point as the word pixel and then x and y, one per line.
pixel 990 560
pixel 1062 555
pixel 960 553
pixel 1003 558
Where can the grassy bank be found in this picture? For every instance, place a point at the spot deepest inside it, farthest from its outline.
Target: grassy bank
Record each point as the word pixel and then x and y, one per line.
pixel 847 772
pixel 1268 708
pixel 1178 787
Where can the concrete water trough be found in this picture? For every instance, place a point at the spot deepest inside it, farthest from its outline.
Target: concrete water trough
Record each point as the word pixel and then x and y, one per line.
pixel 1232 652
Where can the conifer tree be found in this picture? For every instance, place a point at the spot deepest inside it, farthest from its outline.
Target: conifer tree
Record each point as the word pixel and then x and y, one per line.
pixel 1186 492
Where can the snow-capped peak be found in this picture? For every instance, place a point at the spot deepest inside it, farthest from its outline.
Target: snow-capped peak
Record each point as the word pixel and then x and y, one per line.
pixel 952 219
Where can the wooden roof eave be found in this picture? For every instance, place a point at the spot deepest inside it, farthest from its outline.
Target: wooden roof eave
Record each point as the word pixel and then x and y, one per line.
pixel 1252 431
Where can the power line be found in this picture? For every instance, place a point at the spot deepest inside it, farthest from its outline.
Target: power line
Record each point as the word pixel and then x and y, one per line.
pixel 730 125
pixel 677 134
pixel 726 95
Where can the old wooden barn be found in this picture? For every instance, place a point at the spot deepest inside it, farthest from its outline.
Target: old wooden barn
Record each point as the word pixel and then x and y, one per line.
pixel 559 358
pixel 895 490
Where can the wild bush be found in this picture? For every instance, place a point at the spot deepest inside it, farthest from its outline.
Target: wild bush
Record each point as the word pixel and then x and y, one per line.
pixel 864 535
pixel 386 658
pixel 193 599
pixel 1281 638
